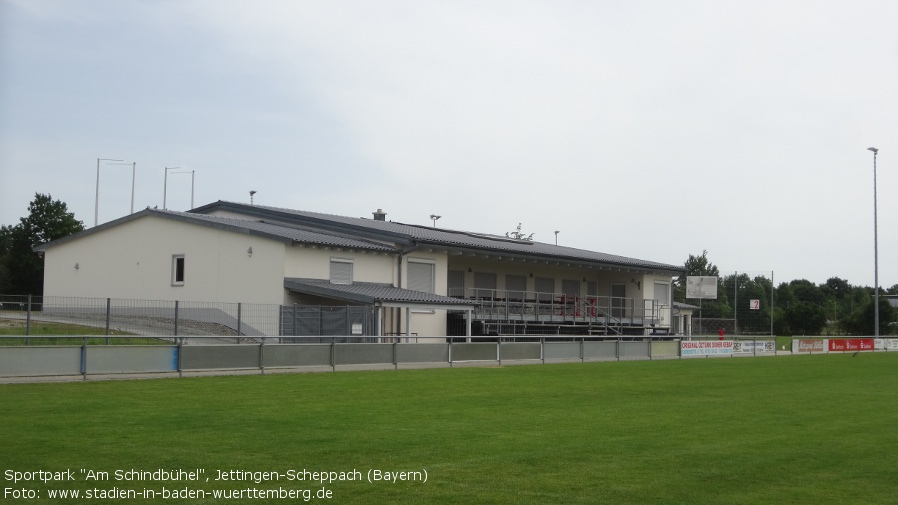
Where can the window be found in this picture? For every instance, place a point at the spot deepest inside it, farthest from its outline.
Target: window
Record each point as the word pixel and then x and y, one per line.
pixel 592 288
pixel 545 289
pixel 341 271
pixel 484 285
pixel 177 270
pixel 570 287
pixel 421 276
pixel 515 286
pixel 456 283
pixel 662 293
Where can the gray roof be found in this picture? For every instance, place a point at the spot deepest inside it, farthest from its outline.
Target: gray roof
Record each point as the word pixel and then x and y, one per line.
pixel 258 228
pixel 401 233
pixel 370 293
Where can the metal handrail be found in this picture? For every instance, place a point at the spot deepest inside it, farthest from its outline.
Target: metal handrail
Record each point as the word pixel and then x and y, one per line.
pixel 543 306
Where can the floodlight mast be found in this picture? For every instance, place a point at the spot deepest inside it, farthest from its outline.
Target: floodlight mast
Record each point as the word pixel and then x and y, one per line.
pixel 97 197
pixel 875 252
pixel 165 190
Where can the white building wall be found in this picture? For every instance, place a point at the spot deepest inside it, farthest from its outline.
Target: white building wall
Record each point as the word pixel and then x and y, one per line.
pixel 134 260
pixel 313 262
pixel 428 322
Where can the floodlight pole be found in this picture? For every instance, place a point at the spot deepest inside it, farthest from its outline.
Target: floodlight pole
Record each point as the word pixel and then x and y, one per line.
pixel 875 252
pixel 165 187
pixel 97 197
pixel 133 177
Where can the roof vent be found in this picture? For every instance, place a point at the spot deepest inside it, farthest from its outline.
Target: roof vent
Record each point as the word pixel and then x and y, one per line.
pixel 380 215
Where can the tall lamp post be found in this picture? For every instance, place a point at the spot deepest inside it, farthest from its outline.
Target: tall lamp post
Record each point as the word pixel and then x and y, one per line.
pixel 97 197
pixel 875 252
pixel 165 187
pixel 165 190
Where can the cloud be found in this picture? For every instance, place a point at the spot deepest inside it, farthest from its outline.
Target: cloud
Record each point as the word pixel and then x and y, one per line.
pixel 649 129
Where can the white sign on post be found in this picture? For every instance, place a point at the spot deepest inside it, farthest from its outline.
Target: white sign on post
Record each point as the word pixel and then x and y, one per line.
pixel 754 304
pixel 701 286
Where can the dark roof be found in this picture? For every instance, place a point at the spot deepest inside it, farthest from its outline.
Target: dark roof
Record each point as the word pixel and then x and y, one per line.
pixel 268 230
pixel 370 293
pixel 407 234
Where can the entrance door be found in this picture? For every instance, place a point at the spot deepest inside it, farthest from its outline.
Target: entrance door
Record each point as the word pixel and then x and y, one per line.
pixel 662 299
pixel 618 300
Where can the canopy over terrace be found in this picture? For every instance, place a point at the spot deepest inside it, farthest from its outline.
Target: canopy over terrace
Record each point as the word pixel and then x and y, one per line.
pixel 380 296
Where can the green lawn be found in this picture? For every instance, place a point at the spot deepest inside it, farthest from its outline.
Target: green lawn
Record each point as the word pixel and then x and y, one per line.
pixel 15 327
pixel 798 430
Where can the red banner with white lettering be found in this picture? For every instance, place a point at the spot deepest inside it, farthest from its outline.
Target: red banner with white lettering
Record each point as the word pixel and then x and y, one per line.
pixel 850 344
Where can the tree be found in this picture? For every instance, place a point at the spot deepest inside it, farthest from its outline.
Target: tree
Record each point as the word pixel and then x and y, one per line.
pixel 861 321
pixel 805 318
pixel 700 265
pixel 695 265
pixel 836 287
pixel 21 269
pixel 806 291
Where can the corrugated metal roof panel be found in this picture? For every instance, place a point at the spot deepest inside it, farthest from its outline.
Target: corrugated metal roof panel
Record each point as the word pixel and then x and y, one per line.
pixel 447 238
pixel 369 292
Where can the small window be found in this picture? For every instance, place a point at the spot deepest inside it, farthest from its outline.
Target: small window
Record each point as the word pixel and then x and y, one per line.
pixel 456 283
pixel 177 270
pixel 341 271
pixel 515 286
pixel 421 276
pixel 484 285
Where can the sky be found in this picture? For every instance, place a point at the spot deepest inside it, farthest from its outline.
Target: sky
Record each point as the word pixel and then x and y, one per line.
pixel 649 129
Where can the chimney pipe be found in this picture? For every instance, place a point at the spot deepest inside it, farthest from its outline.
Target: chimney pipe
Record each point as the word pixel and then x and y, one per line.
pixel 380 215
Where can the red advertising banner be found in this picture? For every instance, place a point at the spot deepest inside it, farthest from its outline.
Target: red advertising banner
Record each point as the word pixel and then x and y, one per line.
pixel 851 344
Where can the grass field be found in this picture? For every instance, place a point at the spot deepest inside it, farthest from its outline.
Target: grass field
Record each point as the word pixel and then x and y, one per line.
pixel 16 327
pixel 798 430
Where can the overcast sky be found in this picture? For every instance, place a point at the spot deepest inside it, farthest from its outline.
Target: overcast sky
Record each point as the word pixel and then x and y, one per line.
pixel 651 129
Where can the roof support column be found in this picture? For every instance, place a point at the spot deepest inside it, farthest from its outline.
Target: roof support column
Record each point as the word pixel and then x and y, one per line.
pixel 378 321
pixel 408 322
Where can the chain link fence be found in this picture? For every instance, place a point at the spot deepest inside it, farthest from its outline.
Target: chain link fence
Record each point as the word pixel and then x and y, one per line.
pixel 744 306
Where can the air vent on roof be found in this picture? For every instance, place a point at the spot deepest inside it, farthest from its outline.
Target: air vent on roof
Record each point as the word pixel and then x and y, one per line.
pixel 380 215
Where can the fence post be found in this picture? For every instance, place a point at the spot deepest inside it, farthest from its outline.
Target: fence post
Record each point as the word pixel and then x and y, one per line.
pixel 28 322
pixel 293 331
pixel 262 355
pixel 84 358
pixel 334 353
pixel 239 318
pixel 180 342
pixel 108 310
pixel 176 318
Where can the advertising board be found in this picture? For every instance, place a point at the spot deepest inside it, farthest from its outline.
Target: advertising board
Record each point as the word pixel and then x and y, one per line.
pixel 807 345
pixel 706 347
pixel 753 346
pixel 850 344
pixel 701 286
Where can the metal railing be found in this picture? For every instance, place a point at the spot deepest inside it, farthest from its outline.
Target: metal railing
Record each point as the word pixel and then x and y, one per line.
pixel 187 318
pixel 612 312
